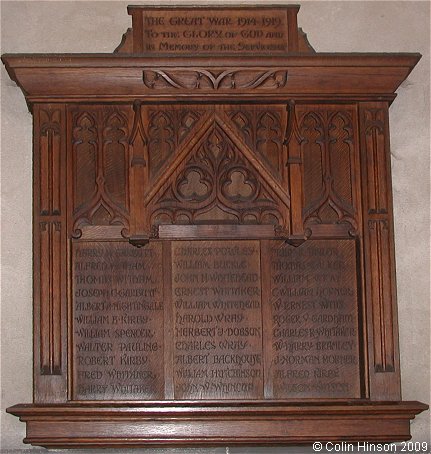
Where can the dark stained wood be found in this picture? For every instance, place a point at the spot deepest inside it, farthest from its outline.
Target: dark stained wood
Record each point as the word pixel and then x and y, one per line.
pixel 99 151
pixel 216 298
pixel 213 237
pixel 209 31
pixel 117 312
pixel 315 331
pixel 168 319
pixel 80 77
pixel 216 425
pixel 379 251
pixel 329 150
pixel 49 258
pixel 178 232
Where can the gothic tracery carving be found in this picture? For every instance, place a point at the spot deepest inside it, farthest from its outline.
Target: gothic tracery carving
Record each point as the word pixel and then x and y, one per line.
pixel 327 149
pixel 100 156
pixel 217 179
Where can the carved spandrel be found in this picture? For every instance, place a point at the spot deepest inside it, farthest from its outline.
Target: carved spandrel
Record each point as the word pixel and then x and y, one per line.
pixel 315 327
pixel 218 181
pixel 262 129
pixel 117 321
pixel 167 129
pixel 216 297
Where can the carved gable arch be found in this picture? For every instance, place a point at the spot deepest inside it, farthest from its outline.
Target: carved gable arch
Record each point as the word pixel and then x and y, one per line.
pixel 217 182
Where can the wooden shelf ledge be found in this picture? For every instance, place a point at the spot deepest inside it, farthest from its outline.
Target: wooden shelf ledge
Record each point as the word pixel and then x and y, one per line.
pixel 103 425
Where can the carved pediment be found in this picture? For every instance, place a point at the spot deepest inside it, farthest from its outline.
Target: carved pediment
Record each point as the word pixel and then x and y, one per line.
pixel 217 182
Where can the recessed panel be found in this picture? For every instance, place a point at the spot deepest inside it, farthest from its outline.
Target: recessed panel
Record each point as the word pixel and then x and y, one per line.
pixel 116 321
pixel 224 31
pixel 315 339
pixel 216 295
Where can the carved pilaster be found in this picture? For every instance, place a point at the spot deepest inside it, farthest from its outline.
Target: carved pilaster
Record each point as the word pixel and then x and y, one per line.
pixel 381 294
pixel 50 307
pixel 380 289
pixel 50 298
pixel 139 177
pixel 293 142
pixel 50 161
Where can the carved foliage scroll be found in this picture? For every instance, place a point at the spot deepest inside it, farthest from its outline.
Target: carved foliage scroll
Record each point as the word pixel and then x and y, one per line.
pixel 328 154
pixel 100 158
pixel 215 79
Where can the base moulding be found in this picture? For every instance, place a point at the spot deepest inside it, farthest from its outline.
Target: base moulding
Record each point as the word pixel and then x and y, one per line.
pixel 103 425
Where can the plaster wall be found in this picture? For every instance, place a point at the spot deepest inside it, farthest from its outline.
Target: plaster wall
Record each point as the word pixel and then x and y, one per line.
pixel 84 26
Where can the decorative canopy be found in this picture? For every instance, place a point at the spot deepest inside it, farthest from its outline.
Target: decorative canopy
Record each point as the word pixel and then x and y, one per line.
pixel 184 53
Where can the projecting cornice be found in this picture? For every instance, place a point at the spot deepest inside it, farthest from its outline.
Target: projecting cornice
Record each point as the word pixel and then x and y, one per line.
pixel 120 77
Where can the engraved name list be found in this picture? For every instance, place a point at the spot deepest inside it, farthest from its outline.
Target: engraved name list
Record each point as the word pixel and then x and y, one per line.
pixel 217 319
pixel 117 315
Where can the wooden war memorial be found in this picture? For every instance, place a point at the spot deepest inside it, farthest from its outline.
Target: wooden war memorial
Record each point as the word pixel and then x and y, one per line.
pixel 213 237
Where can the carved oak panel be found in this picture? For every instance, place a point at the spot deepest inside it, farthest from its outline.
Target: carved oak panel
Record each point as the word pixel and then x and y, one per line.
pixel 316 337
pixel 328 140
pixel 100 166
pixel 117 313
pixel 213 237
pixel 217 320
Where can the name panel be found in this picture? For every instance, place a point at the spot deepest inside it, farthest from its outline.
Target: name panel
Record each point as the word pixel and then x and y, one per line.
pixel 117 318
pixel 216 294
pixel 314 303
pixel 209 31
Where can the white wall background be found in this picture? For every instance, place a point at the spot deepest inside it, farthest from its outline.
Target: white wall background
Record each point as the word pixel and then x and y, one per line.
pixel 97 26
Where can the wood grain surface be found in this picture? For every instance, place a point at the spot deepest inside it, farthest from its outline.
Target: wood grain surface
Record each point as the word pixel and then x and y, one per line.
pixel 213 237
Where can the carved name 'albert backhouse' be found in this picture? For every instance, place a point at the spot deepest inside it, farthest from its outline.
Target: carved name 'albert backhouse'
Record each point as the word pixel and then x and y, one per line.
pixel 213 239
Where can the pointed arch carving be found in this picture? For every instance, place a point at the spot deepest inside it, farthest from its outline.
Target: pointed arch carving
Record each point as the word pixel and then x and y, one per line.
pixel 327 146
pixel 261 129
pixel 168 128
pixel 100 154
pixel 216 183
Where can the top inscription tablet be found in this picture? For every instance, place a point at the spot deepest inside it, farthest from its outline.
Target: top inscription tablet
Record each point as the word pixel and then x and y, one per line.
pixel 222 31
